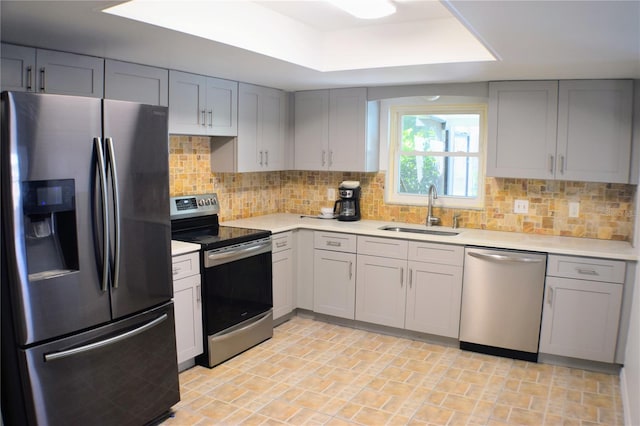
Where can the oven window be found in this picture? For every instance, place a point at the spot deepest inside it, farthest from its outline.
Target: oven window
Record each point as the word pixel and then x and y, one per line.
pixel 236 291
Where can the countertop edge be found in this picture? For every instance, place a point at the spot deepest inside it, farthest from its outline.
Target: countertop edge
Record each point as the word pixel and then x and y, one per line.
pixel 569 246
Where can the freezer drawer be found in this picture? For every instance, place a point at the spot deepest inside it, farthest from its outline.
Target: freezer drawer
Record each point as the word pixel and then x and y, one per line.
pixel 105 376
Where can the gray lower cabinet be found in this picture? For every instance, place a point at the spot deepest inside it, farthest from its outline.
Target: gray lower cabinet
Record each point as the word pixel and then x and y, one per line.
pixel 581 310
pixel 188 306
pixel 409 284
pixel 283 273
pixel 334 277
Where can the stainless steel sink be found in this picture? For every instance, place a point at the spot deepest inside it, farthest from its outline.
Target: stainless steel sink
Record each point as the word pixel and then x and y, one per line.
pixel 418 230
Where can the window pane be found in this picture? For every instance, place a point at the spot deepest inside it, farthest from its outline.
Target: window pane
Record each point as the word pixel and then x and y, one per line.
pixel 452 176
pixel 440 133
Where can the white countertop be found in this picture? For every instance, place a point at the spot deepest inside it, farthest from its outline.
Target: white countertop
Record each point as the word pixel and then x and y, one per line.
pixel 571 246
pixel 180 247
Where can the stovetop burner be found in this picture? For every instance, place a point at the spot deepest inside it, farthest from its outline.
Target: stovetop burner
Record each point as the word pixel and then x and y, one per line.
pixel 194 219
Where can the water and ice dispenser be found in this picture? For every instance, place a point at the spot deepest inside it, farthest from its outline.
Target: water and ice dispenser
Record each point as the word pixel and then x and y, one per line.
pixel 49 215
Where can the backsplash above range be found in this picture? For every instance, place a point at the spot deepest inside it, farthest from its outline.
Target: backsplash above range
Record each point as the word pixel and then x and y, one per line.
pixel 606 210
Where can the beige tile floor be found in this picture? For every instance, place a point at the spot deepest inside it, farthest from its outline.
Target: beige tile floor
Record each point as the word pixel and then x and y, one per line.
pixel 314 373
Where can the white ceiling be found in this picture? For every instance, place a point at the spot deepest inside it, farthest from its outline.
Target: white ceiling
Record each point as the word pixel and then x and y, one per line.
pixel 532 40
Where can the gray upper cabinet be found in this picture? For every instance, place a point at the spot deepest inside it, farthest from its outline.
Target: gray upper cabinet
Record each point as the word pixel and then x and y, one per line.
pixel 17 68
pixel 136 83
pixel 48 71
pixel 336 130
pixel 201 105
pixel 262 127
pixel 571 130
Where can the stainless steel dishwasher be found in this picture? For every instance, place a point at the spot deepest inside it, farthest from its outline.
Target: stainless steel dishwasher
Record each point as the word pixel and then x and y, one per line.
pixel 502 294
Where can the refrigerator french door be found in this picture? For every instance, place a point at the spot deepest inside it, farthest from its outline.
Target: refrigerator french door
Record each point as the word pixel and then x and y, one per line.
pixel 86 291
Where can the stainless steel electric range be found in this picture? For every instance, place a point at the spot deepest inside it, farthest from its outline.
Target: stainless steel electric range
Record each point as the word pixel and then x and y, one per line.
pixel 236 277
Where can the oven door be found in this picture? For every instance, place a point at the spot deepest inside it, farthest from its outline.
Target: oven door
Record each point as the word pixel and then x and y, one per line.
pixel 237 284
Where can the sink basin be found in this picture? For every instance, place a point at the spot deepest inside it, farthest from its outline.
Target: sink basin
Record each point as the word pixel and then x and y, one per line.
pixel 418 230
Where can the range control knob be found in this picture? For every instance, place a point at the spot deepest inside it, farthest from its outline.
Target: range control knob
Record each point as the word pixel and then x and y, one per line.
pixel 201 202
pixel 207 201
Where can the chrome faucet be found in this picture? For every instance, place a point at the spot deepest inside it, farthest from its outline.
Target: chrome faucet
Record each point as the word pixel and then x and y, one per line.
pixel 433 195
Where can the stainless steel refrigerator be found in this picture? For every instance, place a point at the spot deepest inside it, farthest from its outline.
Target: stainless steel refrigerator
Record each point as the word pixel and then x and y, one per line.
pixel 87 318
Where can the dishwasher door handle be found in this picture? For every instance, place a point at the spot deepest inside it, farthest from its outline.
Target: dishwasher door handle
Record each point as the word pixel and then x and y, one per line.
pixel 504 258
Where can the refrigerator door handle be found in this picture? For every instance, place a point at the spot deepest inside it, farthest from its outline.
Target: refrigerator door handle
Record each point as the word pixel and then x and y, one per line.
pixel 102 170
pixel 102 343
pixel 116 209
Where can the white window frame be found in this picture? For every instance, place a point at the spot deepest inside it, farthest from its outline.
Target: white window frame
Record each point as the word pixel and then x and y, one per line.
pixel 395 140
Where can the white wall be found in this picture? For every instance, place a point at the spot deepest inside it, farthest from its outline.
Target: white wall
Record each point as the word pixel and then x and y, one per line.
pixel 630 374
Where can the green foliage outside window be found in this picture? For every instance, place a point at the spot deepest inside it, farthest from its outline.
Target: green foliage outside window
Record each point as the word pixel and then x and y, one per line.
pixel 415 138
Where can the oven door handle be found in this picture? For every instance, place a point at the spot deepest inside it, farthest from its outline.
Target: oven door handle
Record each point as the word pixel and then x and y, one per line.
pixel 230 256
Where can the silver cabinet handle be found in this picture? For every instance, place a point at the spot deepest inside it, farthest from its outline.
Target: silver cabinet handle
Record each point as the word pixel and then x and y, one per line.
pixel 210 118
pixel 330 157
pixel 102 171
pixel 260 158
pixel 116 211
pixel 280 244
pixel 401 277
pixel 504 258
pixel 584 271
pixel 551 164
pixel 324 158
pixel 204 118
pixel 334 243
pixel 266 158
pixel 86 348
pixel 410 278
pixel 42 79
pixel 29 78
pixel 550 296
pixel 350 269
pixel 198 298
pixel 562 164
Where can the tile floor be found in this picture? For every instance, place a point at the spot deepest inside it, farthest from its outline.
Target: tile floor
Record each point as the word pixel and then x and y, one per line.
pixel 314 373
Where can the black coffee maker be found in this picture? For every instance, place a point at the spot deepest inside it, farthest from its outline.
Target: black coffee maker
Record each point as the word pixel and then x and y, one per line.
pixel 347 208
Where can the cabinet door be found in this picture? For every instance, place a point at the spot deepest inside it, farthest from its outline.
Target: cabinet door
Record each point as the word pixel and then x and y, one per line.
pixel 311 133
pixel 273 122
pixel 188 311
pixel 522 129
pixel 305 255
pixel 580 319
pixel 334 283
pixel 136 83
pixel 433 299
pixel 249 154
pixel 381 290
pixel 347 129
pixel 594 130
pixel 222 107
pixel 17 68
pixel 187 109
pixel 282 283
pixel 69 74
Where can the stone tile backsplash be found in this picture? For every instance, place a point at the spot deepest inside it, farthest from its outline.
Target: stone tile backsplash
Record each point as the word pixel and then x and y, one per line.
pixel 606 210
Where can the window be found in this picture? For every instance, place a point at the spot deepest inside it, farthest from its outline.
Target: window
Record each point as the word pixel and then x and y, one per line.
pixel 441 145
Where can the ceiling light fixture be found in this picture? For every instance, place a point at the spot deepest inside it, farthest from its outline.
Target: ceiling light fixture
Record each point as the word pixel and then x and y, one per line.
pixel 365 9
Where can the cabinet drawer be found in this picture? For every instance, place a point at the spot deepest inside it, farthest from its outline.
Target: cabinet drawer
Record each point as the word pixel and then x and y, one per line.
pixel 281 241
pixel 185 265
pixel 384 247
pixel 335 241
pixel 436 253
pixel 586 268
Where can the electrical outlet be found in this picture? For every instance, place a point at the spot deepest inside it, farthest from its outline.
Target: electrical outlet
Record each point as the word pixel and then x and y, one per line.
pixel 331 193
pixel 521 206
pixel 574 209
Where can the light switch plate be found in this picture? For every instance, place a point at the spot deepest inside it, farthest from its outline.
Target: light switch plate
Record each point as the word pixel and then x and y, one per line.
pixel 521 206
